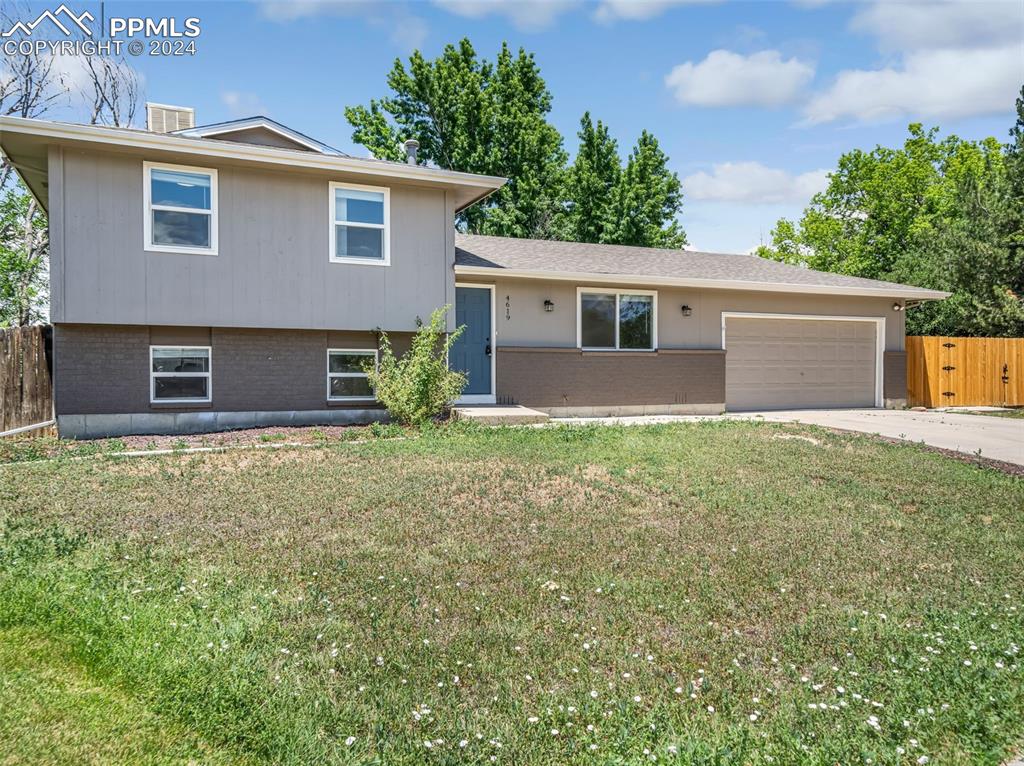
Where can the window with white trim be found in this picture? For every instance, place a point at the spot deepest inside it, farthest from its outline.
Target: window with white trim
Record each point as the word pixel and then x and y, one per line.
pixel 617 320
pixel 359 224
pixel 346 374
pixel 181 209
pixel 179 374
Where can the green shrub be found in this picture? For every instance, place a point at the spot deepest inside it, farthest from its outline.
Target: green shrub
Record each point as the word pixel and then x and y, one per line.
pixel 418 386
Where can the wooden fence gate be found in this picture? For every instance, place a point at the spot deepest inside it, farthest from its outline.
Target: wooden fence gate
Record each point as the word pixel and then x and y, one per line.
pixel 963 372
pixel 26 380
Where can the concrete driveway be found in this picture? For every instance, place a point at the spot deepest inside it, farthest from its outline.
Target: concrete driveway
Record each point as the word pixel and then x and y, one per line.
pixel 991 437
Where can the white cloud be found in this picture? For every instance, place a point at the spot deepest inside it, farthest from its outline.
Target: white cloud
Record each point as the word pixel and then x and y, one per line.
pixel 405 30
pixel 927 84
pixel 953 58
pixel 240 104
pixel 638 10
pixel 534 15
pixel 526 15
pixel 725 78
pixel 753 183
pixel 941 24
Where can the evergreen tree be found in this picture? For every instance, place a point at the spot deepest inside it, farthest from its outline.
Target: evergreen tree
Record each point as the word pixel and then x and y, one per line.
pixel 646 200
pixel 590 184
pixel 1014 220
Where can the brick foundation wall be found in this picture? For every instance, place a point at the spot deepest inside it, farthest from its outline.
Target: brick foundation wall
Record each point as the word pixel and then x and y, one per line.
pixel 568 377
pixel 894 376
pixel 104 369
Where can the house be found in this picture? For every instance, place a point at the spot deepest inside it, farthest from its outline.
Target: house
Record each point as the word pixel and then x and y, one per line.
pixel 237 274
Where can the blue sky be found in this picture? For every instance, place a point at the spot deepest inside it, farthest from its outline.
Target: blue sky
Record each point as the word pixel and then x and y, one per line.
pixel 753 101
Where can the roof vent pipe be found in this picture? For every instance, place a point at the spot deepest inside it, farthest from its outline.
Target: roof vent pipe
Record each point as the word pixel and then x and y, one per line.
pixel 411 147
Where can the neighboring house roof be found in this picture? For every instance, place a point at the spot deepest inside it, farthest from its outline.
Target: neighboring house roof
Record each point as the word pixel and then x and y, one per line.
pixel 259 123
pixel 24 142
pixel 618 264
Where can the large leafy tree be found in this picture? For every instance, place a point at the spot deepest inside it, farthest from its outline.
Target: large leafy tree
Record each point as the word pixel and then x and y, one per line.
pixel 24 247
pixel 480 117
pixel 647 200
pixel 969 255
pixel 590 184
pixel 935 213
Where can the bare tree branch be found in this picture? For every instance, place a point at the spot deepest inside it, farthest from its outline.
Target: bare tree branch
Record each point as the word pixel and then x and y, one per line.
pixel 29 84
pixel 116 91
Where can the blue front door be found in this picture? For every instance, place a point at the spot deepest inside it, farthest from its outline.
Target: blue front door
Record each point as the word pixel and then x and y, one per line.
pixel 471 353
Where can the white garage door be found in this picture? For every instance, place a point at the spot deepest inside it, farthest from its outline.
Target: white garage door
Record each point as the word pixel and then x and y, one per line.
pixel 799 363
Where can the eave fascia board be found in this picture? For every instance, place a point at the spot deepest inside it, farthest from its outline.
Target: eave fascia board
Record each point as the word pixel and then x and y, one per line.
pixel 711 284
pixel 206 147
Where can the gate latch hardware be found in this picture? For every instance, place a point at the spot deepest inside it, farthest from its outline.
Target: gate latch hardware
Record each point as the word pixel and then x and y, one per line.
pixel 949 345
pixel 1006 373
pixel 948 393
pixel 949 367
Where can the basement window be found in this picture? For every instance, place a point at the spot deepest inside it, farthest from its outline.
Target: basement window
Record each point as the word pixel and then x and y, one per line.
pixel 346 374
pixel 181 209
pixel 179 374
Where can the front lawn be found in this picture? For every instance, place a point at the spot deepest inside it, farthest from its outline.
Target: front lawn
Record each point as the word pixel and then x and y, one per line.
pixel 711 593
pixel 1013 412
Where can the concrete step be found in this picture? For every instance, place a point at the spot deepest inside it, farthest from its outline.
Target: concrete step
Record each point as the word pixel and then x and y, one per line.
pixel 499 414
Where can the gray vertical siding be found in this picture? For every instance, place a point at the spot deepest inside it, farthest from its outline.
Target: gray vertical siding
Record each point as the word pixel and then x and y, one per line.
pixel 272 270
pixel 55 216
pixel 528 324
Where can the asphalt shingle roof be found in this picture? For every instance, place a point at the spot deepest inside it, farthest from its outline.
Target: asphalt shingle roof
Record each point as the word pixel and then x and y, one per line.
pixel 540 256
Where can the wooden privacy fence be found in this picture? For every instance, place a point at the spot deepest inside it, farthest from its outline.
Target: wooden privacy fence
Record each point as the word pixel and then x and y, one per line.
pixel 963 372
pixel 26 382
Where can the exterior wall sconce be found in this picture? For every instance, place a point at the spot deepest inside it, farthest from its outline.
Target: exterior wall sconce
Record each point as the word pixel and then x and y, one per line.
pixel 687 310
pixel 549 305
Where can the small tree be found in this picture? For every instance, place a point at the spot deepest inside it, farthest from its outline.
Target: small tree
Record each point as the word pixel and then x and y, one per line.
pixel 418 386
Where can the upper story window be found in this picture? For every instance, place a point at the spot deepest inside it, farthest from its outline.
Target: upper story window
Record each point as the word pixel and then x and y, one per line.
pixel 617 321
pixel 181 209
pixel 360 224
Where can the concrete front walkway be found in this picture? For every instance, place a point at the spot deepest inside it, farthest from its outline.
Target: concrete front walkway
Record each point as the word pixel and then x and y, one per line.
pixel 499 414
pixel 991 437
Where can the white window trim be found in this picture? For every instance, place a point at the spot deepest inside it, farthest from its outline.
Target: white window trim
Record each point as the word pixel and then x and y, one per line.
pixel 361 352
pixel 147 223
pixel 879 323
pixel 208 375
pixel 333 222
pixel 617 292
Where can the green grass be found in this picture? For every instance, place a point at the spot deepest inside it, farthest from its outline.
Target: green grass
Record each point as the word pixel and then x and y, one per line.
pixel 705 594
pixel 1015 412
pixel 54 713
